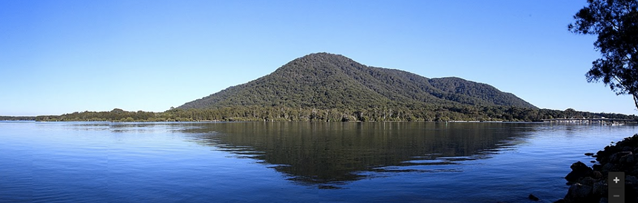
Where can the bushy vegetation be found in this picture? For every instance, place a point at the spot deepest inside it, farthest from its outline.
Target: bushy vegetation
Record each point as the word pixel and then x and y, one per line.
pixel 333 88
pixel 328 81
pixel 258 113
pixel 16 118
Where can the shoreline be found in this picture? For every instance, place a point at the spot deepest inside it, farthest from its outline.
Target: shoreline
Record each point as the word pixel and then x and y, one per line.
pixel 589 184
pixel 276 121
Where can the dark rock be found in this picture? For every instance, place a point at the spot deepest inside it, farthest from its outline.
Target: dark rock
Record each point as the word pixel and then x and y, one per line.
pixel 626 159
pixel 602 159
pixel 590 186
pixel 597 167
pixel 618 156
pixel 614 158
pixel 622 160
pixel 560 201
pixel 589 154
pixel 597 175
pixel 600 188
pixel 329 187
pixel 631 189
pixel 631 159
pixel 587 181
pixel 579 193
pixel 608 167
pixel 631 180
pixel 578 166
pixel 532 197
pixel 579 170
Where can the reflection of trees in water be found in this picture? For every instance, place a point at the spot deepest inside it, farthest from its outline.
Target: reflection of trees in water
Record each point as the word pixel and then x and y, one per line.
pixel 138 127
pixel 320 153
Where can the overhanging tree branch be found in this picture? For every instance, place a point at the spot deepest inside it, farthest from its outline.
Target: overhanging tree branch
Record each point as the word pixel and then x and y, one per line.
pixel 616 24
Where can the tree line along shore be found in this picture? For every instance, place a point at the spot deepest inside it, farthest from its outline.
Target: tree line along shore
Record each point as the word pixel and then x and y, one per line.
pixel 372 114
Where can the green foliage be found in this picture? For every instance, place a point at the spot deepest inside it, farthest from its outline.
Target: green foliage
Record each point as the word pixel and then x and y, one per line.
pixel 616 24
pixel 332 88
pixel 17 118
pixel 327 81
pixel 374 114
pixel 114 115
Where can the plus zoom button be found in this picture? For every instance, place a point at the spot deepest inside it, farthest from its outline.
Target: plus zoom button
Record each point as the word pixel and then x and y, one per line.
pixel 616 182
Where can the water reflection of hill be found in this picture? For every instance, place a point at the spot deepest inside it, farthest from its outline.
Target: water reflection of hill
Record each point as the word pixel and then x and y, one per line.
pixel 332 153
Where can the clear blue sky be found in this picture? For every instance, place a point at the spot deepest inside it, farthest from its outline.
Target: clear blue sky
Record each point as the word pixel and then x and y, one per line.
pixel 63 56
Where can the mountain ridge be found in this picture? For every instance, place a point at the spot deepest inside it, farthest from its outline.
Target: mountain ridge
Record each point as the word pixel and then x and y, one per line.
pixel 326 81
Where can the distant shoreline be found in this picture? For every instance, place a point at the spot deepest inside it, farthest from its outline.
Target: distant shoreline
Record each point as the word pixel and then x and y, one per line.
pixel 317 121
pixel 494 114
pixel 17 118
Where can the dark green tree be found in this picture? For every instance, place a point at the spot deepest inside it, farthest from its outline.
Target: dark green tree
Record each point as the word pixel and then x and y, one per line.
pixel 616 24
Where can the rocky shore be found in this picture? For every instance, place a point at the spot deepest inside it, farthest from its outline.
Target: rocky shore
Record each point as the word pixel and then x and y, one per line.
pixel 589 184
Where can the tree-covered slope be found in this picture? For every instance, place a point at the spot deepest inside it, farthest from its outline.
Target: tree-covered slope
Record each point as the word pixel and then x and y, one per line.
pixel 467 92
pixel 325 81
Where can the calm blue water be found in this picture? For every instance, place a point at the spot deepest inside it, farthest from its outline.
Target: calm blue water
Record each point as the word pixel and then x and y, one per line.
pixel 292 162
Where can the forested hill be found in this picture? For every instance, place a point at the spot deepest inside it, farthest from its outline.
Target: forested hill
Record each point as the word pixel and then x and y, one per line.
pixel 329 81
pixel 333 88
